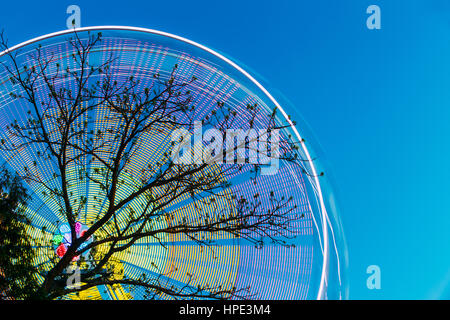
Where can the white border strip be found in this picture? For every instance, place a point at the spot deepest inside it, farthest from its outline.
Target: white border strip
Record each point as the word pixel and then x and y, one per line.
pixel 322 288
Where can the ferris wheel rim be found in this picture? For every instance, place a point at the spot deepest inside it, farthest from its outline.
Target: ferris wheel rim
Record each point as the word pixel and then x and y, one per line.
pixel 324 216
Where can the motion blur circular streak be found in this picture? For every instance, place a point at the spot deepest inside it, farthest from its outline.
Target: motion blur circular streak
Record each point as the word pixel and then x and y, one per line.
pixel 325 220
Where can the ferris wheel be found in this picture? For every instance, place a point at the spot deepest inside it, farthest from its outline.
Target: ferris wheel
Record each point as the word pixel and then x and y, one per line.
pixel 312 268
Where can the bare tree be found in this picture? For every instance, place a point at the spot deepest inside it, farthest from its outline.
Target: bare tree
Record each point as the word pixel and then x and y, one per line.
pixel 132 201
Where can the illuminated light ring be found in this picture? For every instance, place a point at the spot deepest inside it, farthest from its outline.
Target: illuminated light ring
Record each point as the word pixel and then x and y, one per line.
pixel 325 221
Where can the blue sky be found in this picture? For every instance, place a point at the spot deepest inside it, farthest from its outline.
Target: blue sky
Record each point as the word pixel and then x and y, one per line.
pixel 378 102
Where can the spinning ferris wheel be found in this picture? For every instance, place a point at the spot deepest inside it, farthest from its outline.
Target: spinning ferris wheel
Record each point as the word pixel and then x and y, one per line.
pixel 313 269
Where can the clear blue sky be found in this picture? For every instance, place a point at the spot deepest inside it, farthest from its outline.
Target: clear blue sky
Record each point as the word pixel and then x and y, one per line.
pixel 378 101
